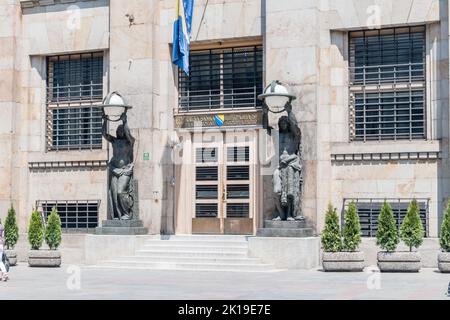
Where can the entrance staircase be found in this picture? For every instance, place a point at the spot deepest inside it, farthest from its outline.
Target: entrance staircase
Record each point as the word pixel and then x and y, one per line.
pixel 193 253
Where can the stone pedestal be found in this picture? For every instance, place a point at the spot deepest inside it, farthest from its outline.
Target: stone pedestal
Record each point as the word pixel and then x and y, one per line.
pixel 286 229
pixel 286 253
pixel 122 227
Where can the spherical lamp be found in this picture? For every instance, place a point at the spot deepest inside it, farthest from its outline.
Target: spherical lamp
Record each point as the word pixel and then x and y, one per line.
pixel 114 105
pixel 276 96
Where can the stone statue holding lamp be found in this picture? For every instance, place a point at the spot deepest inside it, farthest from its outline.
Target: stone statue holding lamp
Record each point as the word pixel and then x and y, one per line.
pixel 123 196
pixel 120 167
pixel 287 178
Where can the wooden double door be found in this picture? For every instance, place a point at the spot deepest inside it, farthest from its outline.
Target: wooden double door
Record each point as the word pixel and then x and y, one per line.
pixel 224 182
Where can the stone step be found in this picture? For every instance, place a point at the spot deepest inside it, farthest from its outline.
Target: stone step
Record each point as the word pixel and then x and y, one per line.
pixel 183 253
pixel 298 224
pixel 197 248
pixel 205 237
pixel 181 259
pixel 186 266
pixel 287 232
pixel 190 243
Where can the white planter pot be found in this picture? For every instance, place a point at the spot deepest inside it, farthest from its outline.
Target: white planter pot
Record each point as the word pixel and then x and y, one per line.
pixel 444 262
pixel 399 261
pixel 343 261
pixel 12 257
pixel 44 258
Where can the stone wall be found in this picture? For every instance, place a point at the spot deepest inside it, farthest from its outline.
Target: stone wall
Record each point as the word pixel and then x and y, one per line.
pixel 305 46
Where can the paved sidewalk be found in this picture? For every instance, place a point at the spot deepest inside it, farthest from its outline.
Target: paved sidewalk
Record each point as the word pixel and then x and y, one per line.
pixel 36 283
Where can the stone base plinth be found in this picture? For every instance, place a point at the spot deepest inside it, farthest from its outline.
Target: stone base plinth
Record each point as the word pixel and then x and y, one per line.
pixel 285 229
pixel 286 253
pixel 122 227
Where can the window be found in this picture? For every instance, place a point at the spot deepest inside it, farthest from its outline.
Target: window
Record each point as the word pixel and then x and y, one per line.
pixel 369 209
pixel 75 215
pixel 74 88
pixel 222 78
pixel 387 84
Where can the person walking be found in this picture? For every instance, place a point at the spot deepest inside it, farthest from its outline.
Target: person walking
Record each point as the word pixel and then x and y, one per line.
pixel 3 267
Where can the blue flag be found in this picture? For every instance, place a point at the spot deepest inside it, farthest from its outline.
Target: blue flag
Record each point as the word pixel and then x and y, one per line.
pixel 181 34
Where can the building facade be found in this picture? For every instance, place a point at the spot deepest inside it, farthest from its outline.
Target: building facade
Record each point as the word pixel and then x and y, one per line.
pixel 371 80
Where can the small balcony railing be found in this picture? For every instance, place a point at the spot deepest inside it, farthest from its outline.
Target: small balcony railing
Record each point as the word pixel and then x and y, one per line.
pixel 213 99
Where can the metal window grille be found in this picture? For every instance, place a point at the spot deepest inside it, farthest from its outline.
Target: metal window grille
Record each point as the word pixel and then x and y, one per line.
pixel 387 115
pixel 206 192
pixel 80 215
pixel 74 89
pixel 206 210
pixel 387 84
pixel 238 154
pixel 369 210
pixel 238 210
pixel 238 173
pixel 205 155
pixel 206 173
pixel 222 78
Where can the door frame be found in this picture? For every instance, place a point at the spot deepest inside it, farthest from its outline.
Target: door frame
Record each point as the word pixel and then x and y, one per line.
pixel 222 140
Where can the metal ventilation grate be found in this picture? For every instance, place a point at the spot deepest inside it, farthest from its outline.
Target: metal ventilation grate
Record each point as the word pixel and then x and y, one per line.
pixel 369 210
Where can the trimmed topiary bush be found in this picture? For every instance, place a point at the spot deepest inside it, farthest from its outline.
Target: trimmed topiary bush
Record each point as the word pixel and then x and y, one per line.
pixel 445 231
pixel 387 233
pixel 352 229
pixel 11 229
pixel 35 231
pixel 331 235
pixel 411 230
pixel 53 230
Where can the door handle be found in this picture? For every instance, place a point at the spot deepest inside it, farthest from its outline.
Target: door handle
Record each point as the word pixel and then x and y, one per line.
pixel 224 195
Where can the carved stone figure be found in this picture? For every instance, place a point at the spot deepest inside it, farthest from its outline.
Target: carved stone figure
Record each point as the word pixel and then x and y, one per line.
pixel 120 168
pixel 287 178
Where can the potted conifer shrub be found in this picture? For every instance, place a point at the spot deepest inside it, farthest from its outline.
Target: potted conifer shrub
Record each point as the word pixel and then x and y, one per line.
pixel 53 237
pixel 444 256
pixel 11 236
pixel 36 235
pixel 388 237
pixel 345 256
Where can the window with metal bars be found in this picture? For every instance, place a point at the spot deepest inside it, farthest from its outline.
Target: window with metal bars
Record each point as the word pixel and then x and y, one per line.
pixel 79 215
pixel 228 78
pixel 387 84
pixel 74 91
pixel 369 209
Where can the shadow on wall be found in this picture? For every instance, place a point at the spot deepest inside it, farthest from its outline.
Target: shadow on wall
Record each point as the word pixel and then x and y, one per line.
pixel 442 112
pixel 168 193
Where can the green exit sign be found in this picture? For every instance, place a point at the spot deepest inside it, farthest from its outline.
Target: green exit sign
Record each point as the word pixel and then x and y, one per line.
pixel 146 156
